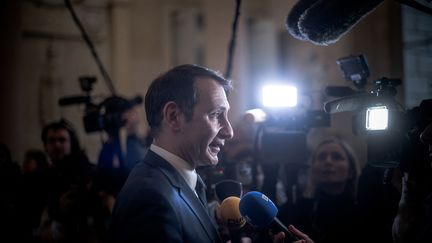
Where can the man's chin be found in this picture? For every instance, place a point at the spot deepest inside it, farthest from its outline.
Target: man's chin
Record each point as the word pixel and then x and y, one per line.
pixel 210 161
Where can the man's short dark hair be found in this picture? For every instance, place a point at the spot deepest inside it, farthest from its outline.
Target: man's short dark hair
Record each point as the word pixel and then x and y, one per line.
pixel 178 85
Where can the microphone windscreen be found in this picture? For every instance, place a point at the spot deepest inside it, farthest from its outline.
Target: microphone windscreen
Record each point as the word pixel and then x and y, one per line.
pixel 291 22
pixel 228 188
pixel 326 21
pixel 257 209
pixel 230 213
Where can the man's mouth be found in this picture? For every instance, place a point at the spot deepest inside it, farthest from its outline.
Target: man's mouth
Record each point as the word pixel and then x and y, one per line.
pixel 215 147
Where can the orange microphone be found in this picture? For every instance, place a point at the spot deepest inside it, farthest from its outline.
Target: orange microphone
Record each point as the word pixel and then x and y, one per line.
pixel 229 212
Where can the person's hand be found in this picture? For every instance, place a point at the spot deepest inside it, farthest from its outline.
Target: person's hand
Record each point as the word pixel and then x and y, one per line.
pixel 279 237
pixel 302 236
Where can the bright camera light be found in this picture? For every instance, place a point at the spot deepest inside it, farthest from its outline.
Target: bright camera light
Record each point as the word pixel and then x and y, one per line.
pixel 279 96
pixel 377 118
pixel 255 116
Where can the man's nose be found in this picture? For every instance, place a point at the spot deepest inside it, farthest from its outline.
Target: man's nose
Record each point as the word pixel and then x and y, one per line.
pixel 227 130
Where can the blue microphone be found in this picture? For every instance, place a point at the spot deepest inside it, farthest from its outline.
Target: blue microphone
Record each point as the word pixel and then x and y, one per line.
pixel 259 211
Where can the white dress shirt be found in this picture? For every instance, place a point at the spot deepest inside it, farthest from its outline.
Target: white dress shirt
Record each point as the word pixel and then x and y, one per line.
pixel 183 167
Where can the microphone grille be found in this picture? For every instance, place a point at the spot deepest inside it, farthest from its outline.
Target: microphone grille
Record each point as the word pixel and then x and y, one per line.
pixel 257 209
pixel 230 213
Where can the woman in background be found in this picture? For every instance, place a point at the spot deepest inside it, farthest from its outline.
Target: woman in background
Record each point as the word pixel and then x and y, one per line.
pixel 327 210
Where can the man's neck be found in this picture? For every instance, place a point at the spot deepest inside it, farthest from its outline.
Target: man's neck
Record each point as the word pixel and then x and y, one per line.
pixel 173 150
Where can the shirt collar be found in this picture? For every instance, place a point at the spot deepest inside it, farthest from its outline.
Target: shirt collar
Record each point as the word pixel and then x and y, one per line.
pixel 190 176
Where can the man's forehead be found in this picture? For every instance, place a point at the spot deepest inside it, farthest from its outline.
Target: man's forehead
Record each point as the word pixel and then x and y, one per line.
pixel 213 92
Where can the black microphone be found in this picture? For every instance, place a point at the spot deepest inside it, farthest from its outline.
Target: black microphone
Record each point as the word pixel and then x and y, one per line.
pixel 136 101
pixel 259 211
pixel 339 91
pixel 72 100
pixel 228 188
pixel 323 22
pixel 230 216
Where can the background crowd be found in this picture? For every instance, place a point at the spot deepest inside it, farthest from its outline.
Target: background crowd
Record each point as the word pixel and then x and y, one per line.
pixel 58 195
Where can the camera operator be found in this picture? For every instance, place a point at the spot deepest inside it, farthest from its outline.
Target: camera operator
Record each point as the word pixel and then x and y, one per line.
pixel 136 146
pixel 113 164
pixel 413 222
pixel 110 116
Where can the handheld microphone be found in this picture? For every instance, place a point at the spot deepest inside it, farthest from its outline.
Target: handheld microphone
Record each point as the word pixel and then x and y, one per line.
pixel 228 188
pixel 323 22
pixel 259 211
pixel 230 216
pixel 230 213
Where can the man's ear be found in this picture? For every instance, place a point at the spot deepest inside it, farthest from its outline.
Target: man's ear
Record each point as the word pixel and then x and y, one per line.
pixel 172 116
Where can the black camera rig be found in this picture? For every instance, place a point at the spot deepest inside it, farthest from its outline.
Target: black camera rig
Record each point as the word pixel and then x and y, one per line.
pixel 379 116
pixel 104 116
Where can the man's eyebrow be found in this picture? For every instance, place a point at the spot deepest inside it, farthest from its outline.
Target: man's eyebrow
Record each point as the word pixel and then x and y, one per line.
pixel 220 108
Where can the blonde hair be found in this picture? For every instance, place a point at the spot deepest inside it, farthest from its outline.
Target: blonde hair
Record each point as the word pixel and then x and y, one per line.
pixel 354 167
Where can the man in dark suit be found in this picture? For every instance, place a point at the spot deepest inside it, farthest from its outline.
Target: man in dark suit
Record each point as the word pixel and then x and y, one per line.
pixel 162 199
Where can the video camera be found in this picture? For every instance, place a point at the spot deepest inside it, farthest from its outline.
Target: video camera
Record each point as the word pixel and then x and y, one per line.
pixel 386 123
pixel 283 124
pixel 105 116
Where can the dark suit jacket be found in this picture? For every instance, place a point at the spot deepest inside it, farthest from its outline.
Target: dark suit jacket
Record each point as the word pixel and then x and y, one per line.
pixel 157 205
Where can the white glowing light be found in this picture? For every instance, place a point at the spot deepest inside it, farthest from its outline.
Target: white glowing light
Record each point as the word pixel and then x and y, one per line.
pixel 279 96
pixel 377 118
pixel 255 116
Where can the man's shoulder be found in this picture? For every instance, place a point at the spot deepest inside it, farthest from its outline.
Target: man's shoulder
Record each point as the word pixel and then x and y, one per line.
pixel 149 167
pixel 148 176
pixel 146 185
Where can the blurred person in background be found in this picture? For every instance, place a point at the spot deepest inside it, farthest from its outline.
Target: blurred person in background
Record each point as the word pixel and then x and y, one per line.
pixel 327 210
pixel 34 191
pixel 35 162
pixel 74 212
pixel 114 164
pixel 413 222
pixel 10 215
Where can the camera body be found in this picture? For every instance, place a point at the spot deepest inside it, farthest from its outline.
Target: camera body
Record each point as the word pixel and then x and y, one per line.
pixel 387 125
pixel 282 137
pixel 104 116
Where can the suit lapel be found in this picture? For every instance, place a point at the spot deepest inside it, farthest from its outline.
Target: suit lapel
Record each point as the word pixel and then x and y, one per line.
pixel 186 193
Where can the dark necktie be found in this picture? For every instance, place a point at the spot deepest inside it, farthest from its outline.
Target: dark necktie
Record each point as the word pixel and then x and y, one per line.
pixel 200 190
